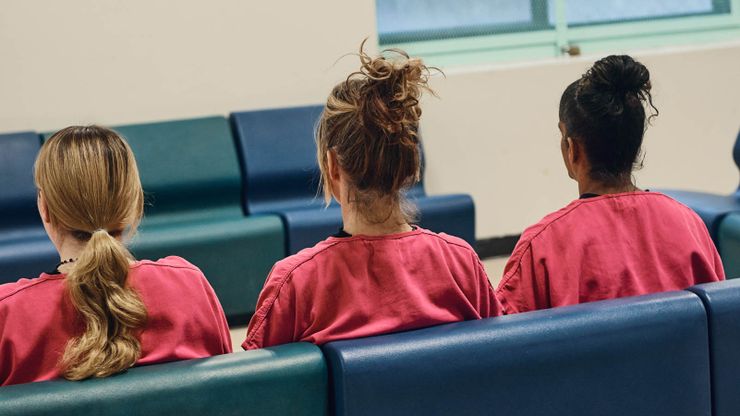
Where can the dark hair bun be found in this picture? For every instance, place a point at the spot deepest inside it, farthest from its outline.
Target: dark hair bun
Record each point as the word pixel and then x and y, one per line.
pixel 606 111
pixel 614 84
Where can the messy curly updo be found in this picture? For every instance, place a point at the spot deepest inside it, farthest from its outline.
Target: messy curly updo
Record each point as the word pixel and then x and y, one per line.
pixel 371 123
pixel 606 111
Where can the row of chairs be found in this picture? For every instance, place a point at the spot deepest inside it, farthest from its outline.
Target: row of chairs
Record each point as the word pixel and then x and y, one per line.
pixel 232 196
pixel 671 353
pixel 721 214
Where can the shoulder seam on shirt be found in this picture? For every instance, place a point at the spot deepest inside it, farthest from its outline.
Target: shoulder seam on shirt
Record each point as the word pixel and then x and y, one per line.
pixel 288 275
pixel 32 284
pixel 529 244
pixel 173 266
pixel 580 202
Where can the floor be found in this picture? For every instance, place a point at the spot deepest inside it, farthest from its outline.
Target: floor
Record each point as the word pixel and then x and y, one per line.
pixel 494 268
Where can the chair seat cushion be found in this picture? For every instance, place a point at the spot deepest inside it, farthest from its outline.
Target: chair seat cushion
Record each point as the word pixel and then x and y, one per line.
pixel 235 253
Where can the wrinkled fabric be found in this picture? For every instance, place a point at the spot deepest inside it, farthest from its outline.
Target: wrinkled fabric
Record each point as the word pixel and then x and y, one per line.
pixel 361 286
pixel 37 319
pixel 608 247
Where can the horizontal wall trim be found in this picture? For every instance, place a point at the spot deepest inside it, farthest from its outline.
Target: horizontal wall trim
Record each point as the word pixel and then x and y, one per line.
pixel 496 246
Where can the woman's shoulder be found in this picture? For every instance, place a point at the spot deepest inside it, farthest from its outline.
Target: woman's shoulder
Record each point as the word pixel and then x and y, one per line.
pixel 172 270
pixel 169 263
pixel 23 287
pixel 302 260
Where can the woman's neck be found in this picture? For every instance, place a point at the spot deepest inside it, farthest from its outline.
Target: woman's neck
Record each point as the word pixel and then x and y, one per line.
pixel 356 224
pixel 599 188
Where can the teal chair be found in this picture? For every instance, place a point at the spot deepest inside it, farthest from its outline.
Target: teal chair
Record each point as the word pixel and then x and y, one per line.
pixel 193 191
pixel 285 380
pixel 729 244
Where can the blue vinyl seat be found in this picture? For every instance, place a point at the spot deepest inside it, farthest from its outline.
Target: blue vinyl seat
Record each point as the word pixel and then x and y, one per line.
pixel 712 208
pixel 722 302
pixel 25 250
pixel 633 356
pixel 278 155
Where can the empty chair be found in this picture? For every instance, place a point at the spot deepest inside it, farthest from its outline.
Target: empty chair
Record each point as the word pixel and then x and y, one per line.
pixel 722 302
pixel 25 250
pixel 633 356
pixel 288 380
pixel 281 176
pixel 712 208
pixel 729 244
pixel 192 185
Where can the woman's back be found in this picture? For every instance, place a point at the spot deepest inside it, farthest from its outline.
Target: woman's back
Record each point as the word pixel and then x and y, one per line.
pixel 37 320
pixel 357 286
pixel 606 247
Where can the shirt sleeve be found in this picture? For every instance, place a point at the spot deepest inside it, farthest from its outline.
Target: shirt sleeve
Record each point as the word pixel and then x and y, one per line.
pixel 488 305
pixel 719 269
pixel 521 289
pixel 220 318
pixel 274 320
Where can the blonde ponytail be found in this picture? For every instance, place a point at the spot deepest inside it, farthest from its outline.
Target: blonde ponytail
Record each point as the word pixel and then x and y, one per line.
pixel 112 312
pixel 91 187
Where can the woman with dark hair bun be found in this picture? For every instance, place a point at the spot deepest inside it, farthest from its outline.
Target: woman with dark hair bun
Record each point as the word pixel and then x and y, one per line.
pixel 380 273
pixel 615 240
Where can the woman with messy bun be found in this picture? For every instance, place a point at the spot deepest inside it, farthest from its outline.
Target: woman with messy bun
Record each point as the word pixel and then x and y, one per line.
pixel 615 240
pixel 99 311
pixel 380 273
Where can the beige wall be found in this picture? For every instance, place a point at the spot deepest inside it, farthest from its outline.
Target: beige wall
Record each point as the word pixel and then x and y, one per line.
pixel 492 133
pixel 114 61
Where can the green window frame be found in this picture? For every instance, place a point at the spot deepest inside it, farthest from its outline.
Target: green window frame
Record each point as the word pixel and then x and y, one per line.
pixel 540 39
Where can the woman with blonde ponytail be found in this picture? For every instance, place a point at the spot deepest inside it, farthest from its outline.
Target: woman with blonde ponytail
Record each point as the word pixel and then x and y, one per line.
pixel 100 311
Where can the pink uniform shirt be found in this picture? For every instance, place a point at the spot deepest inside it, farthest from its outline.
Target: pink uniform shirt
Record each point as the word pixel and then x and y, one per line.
pixel 608 247
pixel 185 320
pixel 361 286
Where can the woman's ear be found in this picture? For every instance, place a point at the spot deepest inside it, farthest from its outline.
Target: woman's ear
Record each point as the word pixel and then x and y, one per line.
pixel 572 150
pixel 43 208
pixel 333 175
pixel 332 165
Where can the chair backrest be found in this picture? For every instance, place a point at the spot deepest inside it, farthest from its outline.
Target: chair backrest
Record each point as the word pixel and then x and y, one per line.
pixel 278 153
pixel 185 164
pixel 722 301
pixel 17 191
pixel 287 380
pixel 637 356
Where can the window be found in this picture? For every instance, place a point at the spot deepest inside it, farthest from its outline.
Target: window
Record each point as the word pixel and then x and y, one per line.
pixel 465 31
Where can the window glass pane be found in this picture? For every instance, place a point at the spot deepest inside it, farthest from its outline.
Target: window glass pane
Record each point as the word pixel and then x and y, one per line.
pixel 580 12
pixel 403 20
